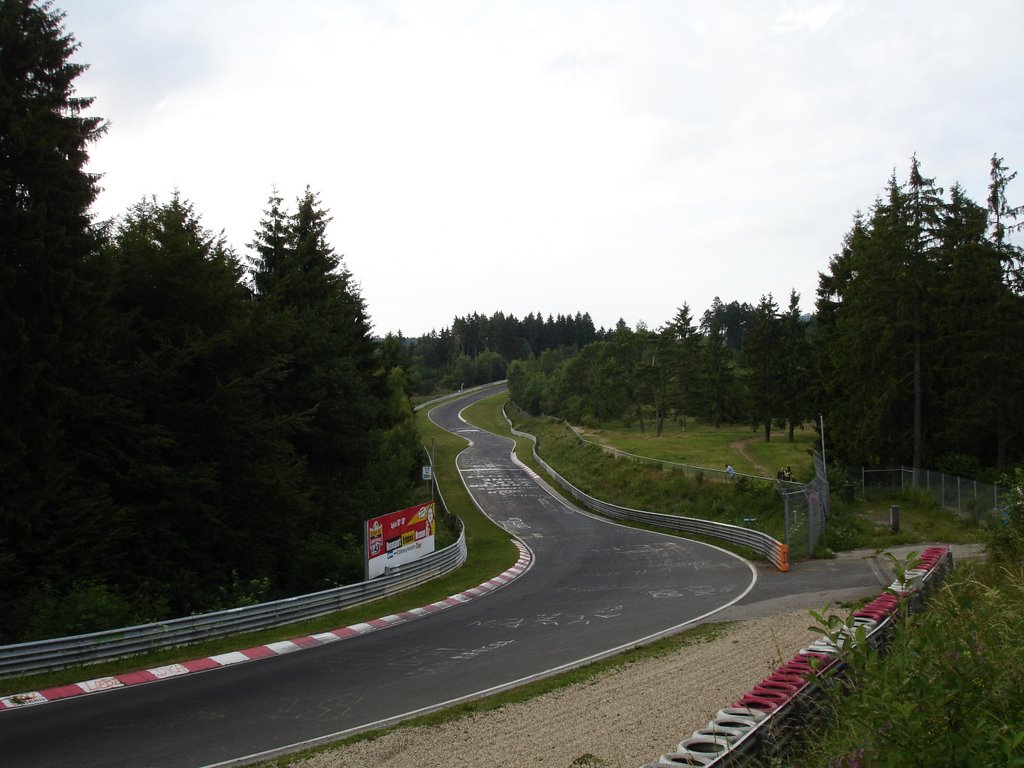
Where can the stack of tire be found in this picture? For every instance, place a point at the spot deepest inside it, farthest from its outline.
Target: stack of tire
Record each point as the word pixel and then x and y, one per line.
pixel 787 699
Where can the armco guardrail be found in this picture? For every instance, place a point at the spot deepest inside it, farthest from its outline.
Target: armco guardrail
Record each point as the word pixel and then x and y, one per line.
pixel 56 653
pixel 775 551
pixel 460 393
pixel 767 722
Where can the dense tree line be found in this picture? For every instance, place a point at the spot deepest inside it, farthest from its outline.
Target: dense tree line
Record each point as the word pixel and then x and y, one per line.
pixel 181 430
pixel 742 363
pixel 476 349
pixel 919 329
pixel 913 354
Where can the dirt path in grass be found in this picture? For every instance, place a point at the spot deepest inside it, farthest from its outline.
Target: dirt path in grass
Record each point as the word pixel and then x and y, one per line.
pixel 740 446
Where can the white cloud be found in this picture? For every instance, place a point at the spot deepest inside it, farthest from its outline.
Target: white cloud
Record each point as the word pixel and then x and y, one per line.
pixel 614 157
pixel 807 18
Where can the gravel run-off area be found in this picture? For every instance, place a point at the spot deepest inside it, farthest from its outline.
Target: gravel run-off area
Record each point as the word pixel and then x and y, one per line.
pixel 622 719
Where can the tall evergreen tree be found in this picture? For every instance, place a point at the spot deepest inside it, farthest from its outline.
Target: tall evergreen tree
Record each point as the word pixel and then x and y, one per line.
pixel 51 279
pixel 655 373
pixel 1005 220
pixel 332 375
pixel 868 389
pixel 925 210
pixel 271 244
pixel 627 351
pixel 794 367
pixel 762 355
pixel 918 324
pixel 879 376
pixel 973 350
pixel 1008 310
pixel 203 466
pixel 718 379
pixel 685 359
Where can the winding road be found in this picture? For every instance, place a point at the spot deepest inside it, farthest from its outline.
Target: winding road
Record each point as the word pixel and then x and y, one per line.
pixel 594 588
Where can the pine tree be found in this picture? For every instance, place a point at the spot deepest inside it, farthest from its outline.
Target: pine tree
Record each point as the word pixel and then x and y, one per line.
pixel 331 377
pixel 762 356
pixel 685 360
pixel 718 378
pixel 270 244
pixel 51 283
pixel 1004 222
pixel 1006 373
pixel 626 350
pixel 655 374
pixel 925 206
pixel 203 464
pixel 918 326
pixel 972 351
pixel 794 367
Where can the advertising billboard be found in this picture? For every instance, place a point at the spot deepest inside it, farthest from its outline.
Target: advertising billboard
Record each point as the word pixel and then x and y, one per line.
pixel 398 538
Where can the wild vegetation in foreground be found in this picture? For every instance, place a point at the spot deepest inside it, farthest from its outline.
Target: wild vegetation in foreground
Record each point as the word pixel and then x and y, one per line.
pixel 946 690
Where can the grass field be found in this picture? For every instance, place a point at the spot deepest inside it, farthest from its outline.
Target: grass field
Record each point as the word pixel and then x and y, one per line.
pixel 704 445
pixel 857 524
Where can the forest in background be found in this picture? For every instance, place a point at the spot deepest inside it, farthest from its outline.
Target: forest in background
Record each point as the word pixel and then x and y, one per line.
pixel 186 428
pixel 912 356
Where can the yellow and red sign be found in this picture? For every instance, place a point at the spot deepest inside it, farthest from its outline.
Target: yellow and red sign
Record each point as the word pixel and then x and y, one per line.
pixel 398 538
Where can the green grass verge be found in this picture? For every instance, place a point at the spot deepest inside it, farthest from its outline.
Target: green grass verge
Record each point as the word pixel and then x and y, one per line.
pixel 704 445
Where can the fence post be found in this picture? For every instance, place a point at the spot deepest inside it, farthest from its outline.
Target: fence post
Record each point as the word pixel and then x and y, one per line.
pixel 810 529
pixel 785 498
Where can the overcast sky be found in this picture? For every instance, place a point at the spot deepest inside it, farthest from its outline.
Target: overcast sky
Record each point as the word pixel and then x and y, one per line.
pixel 605 156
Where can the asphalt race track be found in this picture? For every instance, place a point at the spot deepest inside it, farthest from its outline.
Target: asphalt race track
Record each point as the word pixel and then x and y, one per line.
pixel 594 587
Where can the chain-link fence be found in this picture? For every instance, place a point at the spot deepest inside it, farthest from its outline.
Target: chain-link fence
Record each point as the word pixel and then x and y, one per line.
pixel 806 511
pixel 970 499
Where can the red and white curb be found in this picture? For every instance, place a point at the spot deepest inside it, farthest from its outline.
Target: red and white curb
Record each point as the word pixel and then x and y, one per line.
pixel 101 684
